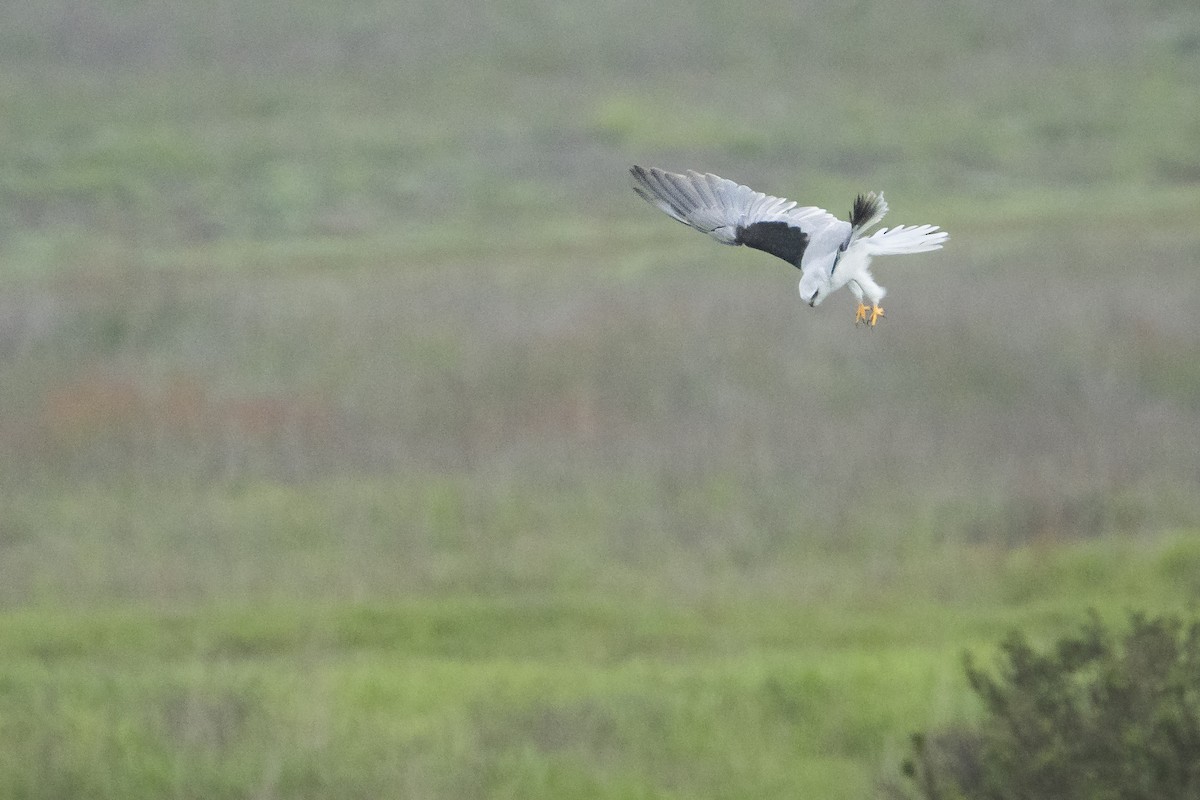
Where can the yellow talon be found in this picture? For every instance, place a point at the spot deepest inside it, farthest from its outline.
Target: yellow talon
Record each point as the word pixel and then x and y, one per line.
pixel 861 315
pixel 876 314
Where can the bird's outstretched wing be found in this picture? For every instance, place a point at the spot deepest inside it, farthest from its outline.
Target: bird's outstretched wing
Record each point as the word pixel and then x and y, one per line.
pixel 734 214
pixel 904 239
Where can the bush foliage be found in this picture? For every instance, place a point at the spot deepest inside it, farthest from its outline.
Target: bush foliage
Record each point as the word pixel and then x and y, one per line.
pixel 1098 715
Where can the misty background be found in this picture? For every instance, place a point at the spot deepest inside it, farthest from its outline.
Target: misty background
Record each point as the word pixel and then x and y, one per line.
pixel 362 433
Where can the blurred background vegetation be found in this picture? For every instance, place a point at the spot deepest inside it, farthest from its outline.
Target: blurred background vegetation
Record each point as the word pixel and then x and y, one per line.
pixel 363 435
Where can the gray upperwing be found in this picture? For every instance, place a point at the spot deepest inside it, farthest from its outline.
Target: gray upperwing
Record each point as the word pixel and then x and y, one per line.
pixel 735 214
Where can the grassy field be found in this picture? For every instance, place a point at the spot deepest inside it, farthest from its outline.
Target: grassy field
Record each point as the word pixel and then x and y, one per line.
pixel 363 435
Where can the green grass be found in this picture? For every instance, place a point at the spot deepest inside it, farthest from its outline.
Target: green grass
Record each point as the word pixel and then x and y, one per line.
pixel 363 435
pixel 537 695
pixel 359 639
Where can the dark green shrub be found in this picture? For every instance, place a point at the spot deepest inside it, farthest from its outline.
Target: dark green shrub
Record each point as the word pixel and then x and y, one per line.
pixel 1096 716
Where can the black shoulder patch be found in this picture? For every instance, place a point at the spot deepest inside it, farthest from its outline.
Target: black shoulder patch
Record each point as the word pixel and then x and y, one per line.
pixel 865 207
pixel 777 238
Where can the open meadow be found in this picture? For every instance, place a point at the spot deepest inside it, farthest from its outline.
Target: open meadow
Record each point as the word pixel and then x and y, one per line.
pixel 363 435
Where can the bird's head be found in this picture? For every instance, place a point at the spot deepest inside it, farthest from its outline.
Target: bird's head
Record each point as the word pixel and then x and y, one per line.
pixel 817 281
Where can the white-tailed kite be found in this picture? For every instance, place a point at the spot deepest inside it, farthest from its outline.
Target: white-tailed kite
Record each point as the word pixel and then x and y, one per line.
pixel 830 253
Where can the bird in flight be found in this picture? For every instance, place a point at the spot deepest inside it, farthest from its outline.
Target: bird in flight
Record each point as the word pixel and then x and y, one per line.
pixel 829 252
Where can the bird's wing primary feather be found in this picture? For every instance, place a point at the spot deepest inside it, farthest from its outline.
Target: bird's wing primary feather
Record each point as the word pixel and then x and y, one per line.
pixel 904 239
pixel 868 209
pixel 735 214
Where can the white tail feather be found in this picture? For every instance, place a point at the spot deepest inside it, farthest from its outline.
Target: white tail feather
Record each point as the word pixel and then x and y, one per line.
pixel 904 239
